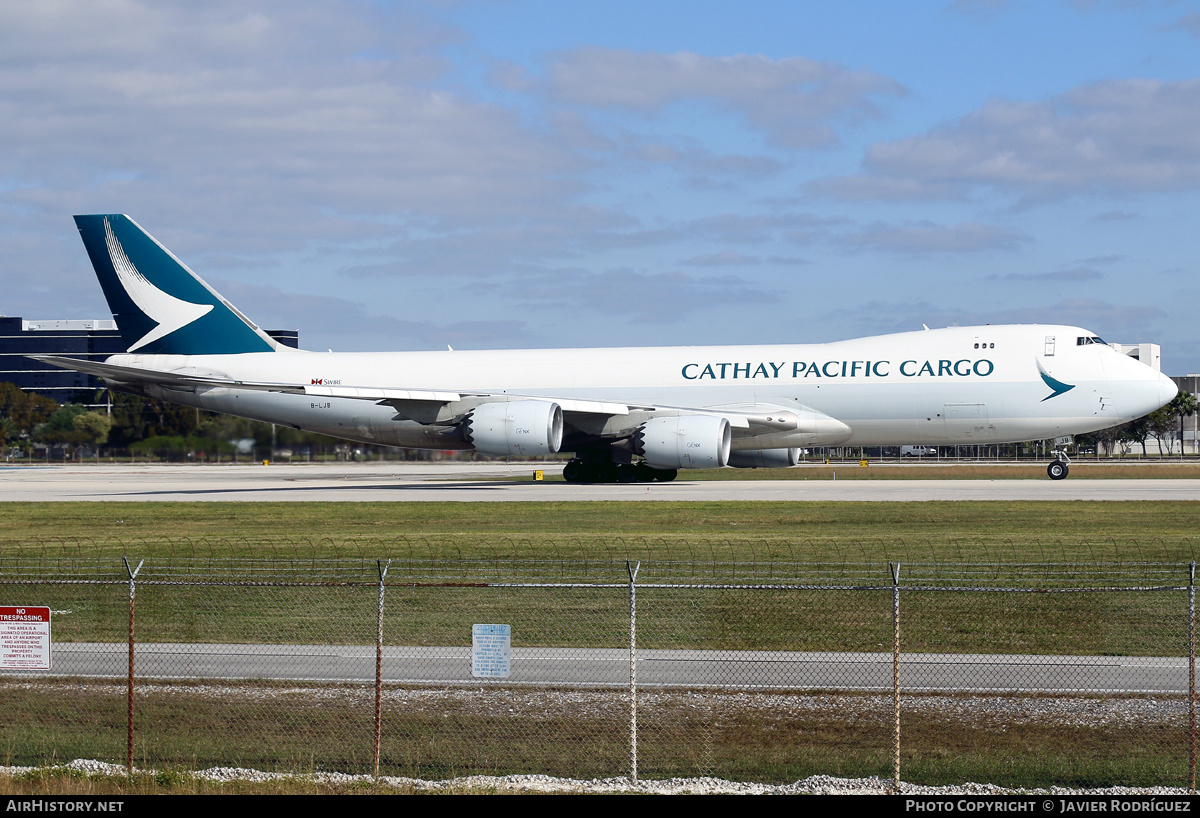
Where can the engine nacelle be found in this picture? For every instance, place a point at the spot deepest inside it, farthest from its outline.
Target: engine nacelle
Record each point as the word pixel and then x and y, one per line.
pixel 687 442
pixel 522 427
pixel 764 458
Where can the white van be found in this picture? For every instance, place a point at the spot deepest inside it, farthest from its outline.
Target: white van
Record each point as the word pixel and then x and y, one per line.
pixel 918 451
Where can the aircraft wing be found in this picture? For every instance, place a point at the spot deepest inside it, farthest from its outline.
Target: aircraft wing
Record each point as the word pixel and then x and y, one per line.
pixel 183 379
pixel 440 407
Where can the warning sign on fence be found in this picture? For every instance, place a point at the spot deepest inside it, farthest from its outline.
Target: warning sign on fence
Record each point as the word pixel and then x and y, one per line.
pixel 24 638
pixel 491 651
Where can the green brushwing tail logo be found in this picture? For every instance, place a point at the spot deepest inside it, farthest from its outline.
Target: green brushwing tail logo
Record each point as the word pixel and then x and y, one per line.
pixel 1058 386
pixel 161 306
pixel 166 311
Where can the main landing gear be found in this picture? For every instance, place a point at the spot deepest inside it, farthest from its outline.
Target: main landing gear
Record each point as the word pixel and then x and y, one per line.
pixel 1059 467
pixel 599 471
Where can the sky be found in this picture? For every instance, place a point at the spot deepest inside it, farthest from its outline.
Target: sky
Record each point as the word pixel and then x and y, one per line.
pixel 519 173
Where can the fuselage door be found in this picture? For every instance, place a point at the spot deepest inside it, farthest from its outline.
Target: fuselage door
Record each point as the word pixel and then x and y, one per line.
pixel 967 423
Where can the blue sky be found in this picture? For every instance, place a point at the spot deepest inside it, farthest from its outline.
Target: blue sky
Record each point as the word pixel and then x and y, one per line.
pixel 497 174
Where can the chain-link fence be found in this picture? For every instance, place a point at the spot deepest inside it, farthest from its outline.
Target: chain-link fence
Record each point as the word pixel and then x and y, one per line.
pixel 1016 674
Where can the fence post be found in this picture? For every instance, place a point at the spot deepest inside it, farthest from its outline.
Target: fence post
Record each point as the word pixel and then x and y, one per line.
pixel 895 566
pixel 633 570
pixel 383 569
pixel 133 572
pixel 1192 677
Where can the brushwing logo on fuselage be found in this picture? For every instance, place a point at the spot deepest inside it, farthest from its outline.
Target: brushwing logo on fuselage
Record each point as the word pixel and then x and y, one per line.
pixel 1058 386
pixel 167 311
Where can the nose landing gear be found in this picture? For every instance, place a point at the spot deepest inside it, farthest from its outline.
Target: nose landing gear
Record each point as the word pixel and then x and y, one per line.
pixel 1060 466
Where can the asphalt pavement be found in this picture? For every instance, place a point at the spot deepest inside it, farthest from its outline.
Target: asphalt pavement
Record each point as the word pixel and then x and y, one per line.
pixel 609 667
pixel 396 481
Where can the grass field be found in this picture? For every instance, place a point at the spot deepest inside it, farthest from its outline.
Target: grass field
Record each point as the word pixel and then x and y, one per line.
pixel 1000 544
pixel 862 532
pixel 769 737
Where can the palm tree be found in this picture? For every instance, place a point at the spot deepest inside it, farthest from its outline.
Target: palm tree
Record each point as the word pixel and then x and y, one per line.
pixel 1184 405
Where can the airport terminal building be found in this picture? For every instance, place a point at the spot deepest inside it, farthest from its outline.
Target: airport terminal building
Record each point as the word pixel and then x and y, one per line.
pixel 92 340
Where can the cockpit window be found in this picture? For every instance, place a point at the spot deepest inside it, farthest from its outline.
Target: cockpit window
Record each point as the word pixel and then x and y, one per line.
pixel 1085 340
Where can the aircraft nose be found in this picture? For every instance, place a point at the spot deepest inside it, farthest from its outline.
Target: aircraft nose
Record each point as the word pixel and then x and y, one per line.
pixel 1167 390
pixel 1145 389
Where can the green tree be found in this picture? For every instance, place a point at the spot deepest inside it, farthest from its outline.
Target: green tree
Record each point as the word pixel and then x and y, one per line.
pixel 1183 405
pixel 25 409
pixel 135 418
pixel 94 427
pixel 60 427
pixel 1162 424
pixel 1135 431
pixel 128 419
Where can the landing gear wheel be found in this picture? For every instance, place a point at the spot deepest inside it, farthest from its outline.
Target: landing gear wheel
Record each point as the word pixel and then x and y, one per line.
pixel 604 473
pixel 573 472
pixel 666 475
pixel 627 473
pixel 1057 470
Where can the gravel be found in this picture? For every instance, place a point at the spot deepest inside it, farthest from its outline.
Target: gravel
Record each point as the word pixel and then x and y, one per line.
pixel 814 785
pixel 999 710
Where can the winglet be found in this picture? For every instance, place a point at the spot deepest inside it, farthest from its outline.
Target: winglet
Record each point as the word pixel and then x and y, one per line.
pixel 160 305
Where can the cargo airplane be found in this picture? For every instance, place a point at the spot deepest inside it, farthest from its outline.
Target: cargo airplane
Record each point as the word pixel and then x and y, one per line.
pixel 627 414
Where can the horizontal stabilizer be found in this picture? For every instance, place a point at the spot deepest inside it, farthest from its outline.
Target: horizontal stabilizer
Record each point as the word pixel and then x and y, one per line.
pixel 140 375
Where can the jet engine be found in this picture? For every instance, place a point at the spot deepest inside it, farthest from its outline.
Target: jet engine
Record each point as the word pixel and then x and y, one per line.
pixel 687 442
pixel 520 427
pixel 764 458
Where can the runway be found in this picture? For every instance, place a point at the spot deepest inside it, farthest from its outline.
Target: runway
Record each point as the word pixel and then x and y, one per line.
pixel 609 667
pixel 397 481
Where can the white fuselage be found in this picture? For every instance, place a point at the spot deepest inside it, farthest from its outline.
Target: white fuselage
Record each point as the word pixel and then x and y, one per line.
pixel 946 386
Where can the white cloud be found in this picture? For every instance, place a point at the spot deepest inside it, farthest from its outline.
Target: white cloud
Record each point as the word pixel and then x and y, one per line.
pixel 789 261
pixel 733 228
pixel 1190 23
pixel 1119 137
pixel 309 115
pixel 698 160
pixel 930 238
pixel 580 233
pixel 1071 274
pixel 325 321
pixel 793 100
pixel 1085 312
pixel 874 317
pixel 636 298
pixel 725 258
pixel 1115 216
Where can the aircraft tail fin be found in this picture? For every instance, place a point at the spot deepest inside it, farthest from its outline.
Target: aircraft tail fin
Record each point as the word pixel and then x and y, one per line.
pixel 161 307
